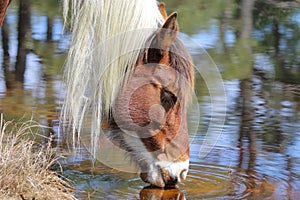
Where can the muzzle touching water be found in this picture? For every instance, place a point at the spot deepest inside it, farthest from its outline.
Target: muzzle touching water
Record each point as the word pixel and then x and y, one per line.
pixel 166 174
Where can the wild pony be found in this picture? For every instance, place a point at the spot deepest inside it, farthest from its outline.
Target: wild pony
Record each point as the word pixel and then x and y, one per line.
pixel 129 77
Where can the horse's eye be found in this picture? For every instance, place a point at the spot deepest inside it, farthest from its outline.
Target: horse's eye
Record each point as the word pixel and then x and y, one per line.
pixel 168 99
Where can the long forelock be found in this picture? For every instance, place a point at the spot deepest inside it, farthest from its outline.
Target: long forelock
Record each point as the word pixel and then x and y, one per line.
pixel 102 30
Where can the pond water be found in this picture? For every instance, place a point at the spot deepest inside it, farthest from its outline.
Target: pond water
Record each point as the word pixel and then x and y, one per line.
pixel 256 48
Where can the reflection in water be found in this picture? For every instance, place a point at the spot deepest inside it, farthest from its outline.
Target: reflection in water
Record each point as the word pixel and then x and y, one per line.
pixel 30 82
pixel 24 33
pixel 5 41
pixel 210 181
pixel 253 43
pixel 247 138
pixel 149 193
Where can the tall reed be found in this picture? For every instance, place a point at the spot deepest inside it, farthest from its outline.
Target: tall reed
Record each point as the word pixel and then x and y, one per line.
pixel 24 168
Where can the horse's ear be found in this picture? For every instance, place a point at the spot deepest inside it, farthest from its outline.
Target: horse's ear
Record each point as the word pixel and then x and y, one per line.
pixel 163 39
pixel 162 9
pixel 168 32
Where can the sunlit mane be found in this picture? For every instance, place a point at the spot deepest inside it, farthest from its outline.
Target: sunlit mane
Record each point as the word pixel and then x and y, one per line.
pixel 94 69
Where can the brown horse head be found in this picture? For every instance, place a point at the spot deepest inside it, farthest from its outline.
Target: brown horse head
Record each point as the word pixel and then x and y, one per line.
pixel 151 108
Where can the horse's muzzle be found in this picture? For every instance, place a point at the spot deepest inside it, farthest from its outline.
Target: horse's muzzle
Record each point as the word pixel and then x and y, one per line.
pixel 166 174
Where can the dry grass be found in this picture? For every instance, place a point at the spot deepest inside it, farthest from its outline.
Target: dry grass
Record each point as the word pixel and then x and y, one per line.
pixel 24 169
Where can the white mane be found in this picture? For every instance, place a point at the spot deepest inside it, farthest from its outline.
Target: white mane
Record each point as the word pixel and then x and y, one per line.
pixel 94 70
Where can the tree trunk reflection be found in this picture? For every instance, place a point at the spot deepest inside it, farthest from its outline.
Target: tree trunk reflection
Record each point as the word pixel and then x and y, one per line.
pixel 247 137
pixel 6 57
pixel 24 33
pixel 49 28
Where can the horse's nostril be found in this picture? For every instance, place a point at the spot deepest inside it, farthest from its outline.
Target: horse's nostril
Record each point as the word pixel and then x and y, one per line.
pixel 171 181
pixel 168 178
pixel 183 174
